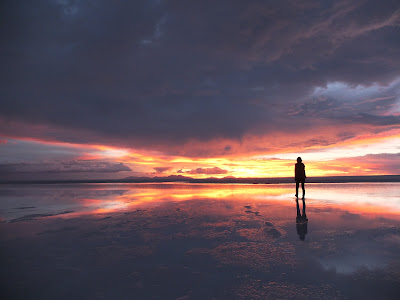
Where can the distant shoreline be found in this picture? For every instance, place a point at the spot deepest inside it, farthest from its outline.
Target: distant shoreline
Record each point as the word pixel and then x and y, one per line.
pixel 177 179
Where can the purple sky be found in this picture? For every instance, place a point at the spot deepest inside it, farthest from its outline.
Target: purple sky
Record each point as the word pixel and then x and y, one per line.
pixel 194 79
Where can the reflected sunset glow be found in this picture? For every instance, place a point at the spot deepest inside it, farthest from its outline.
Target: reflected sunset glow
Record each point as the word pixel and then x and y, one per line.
pixel 367 199
pixel 349 228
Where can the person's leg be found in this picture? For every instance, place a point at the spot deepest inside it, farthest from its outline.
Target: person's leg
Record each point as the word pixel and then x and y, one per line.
pixel 297 188
pixel 302 186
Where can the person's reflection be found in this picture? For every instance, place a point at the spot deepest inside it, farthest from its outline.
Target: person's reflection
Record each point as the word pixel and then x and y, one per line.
pixel 301 221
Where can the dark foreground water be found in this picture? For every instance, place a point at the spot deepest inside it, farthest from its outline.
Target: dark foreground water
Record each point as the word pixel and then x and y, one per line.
pixel 199 241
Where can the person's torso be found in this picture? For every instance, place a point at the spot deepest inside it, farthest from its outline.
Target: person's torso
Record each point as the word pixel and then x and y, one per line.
pixel 299 170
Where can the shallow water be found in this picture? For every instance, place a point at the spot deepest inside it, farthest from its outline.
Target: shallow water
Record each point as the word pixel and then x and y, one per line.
pixel 200 241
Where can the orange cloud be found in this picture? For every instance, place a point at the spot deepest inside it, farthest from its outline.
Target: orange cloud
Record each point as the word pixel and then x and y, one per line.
pixel 254 155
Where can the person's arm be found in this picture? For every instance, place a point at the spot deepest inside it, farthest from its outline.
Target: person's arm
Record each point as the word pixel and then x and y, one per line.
pixel 304 169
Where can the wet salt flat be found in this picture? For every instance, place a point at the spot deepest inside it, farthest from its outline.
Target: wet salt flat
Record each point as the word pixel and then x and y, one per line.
pixel 200 241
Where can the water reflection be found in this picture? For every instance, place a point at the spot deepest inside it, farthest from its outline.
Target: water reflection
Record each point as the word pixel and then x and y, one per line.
pixel 200 241
pixel 80 199
pixel 301 220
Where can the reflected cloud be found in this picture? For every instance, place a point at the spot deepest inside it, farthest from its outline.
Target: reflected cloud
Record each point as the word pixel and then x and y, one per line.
pixel 191 230
pixel 352 263
pixel 353 200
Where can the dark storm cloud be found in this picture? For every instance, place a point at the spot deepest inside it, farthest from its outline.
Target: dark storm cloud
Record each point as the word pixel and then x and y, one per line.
pixel 16 150
pixel 74 166
pixel 378 120
pixel 152 73
pixel 345 103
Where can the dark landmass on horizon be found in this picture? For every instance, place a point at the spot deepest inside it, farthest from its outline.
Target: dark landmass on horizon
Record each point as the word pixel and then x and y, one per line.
pixel 180 178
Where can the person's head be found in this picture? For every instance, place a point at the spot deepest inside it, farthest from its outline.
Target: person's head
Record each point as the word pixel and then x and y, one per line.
pixel 299 160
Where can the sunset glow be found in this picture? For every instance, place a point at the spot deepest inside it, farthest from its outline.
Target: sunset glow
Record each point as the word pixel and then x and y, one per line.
pixel 363 156
pixel 183 91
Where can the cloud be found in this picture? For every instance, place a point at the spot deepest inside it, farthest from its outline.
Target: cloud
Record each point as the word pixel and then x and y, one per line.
pixel 160 170
pixel 31 150
pixel 208 171
pixel 74 166
pixel 166 76
pixel 371 164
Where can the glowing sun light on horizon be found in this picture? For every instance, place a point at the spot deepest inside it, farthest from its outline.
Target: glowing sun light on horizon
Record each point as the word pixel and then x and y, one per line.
pixel 115 153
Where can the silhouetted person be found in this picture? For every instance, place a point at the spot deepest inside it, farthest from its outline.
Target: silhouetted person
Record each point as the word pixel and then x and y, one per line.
pixel 301 221
pixel 299 176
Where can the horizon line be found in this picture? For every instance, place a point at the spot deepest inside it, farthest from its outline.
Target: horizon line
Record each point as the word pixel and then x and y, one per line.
pixel 245 180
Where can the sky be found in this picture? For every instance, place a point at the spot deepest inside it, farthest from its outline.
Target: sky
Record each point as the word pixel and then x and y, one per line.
pixel 111 89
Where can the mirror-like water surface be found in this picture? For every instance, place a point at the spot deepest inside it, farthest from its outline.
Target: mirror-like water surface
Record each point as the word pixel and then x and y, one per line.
pixel 200 241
